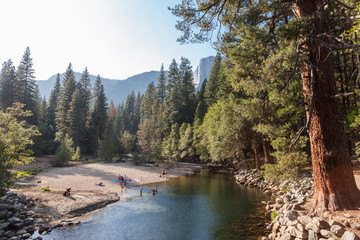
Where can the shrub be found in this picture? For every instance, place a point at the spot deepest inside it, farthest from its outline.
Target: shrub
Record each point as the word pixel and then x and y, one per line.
pixel 77 154
pixel 107 147
pixel 64 153
pixel 46 189
pixel 27 173
pixel 273 215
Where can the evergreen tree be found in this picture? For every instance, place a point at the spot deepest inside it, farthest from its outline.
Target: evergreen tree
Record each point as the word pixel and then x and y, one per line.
pixel 84 87
pixel 149 138
pixel 186 146
pixel 42 110
pixel 335 187
pixel 99 114
pixel 212 84
pixel 148 101
pixel 26 84
pixel 8 84
pixel 202 107
pixel 172 106
pixel 64 152
pixel 63 106
pixel 187 92
pixel 53 102
pixel 170 145
pixel 172 75
pixel 161 85
pixel 130 113
pixel 75 119
pixel 107 147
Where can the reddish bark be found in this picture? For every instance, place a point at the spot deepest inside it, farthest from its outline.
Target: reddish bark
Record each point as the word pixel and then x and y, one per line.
pixel 335 186
pixel 266 149
pixel 256 158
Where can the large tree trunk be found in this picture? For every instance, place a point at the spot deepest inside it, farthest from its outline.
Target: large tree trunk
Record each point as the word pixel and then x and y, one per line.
pixel 266 149
pixel 335 186
pixel 256 158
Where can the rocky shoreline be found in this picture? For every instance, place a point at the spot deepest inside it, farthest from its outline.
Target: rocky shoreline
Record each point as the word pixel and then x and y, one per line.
pixel 20 217
pixel 290 220
pixel 17 218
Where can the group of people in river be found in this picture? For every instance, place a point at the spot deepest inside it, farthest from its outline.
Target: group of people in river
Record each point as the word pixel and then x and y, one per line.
pixel 122 181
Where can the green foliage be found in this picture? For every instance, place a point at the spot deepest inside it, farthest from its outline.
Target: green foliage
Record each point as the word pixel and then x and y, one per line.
pixel 161 85
pixel 170 145
pixel 63 105
pixel 128 142
pixel 26 86
pixel 15 140
pixel 273 215
pixel 186 146
pixel 211 89
pixel 138 159
pixel 288 162
pixel 8 85
pixel 107 147
pixel 77 154
pixel 27 173
pixel 46 189
pixel 64 153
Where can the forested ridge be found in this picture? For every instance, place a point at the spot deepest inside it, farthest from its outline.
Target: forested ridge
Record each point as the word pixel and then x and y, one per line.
pixel 282 93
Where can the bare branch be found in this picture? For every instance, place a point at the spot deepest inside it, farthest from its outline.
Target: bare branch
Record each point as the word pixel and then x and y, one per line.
pixel 340 95
pixel 344 5
pixel 308 122
pixel 342 13
pixel 296 62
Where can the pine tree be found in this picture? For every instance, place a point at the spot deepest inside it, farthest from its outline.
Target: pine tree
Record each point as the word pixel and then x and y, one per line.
pixel 186 146
pixel 8 84
pixel 149 138
pixel 84 87
pixel 170 145
pixel 172 75
pixel 202 107
pixel 74 118
pixel 148 101
pixel 187 90
pixel 53 102
pixel 212 84
pixel 129 114
pixel 99 114
pixel 161 85
pixel 26 83
pixel 63 106
pixel 335 186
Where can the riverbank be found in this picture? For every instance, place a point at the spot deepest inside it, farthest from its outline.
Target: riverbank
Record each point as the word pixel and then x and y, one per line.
pixel 290 211
pixel 52 208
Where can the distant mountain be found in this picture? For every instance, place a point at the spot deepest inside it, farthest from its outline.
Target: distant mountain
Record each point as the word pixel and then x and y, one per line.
pixel 118 90
pixel 203 71
pixel 115 90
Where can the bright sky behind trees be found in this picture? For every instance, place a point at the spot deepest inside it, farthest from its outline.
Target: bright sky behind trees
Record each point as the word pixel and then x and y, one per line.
pixel 113 38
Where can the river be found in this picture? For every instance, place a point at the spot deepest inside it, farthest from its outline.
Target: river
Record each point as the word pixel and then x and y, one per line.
pixel 199 206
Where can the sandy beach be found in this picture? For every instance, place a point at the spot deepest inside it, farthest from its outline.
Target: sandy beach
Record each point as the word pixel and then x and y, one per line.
pixel 85 195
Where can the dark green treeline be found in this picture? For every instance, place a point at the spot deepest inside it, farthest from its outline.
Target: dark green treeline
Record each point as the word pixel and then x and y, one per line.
pixel 245 114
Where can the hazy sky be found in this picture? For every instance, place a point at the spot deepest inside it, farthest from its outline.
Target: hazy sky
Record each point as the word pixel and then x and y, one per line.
pixel 114 38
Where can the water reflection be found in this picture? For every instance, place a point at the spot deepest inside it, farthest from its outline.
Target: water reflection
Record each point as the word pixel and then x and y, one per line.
pixel 200 206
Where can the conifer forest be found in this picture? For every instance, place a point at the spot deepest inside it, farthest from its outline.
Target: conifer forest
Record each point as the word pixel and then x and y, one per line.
pixel 283 93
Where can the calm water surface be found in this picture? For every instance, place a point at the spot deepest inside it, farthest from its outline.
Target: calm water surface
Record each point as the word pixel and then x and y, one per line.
pixel 199 206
